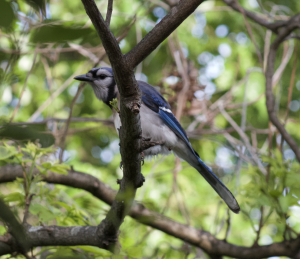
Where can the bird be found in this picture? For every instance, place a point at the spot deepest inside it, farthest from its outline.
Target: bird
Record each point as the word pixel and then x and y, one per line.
pixel 158 124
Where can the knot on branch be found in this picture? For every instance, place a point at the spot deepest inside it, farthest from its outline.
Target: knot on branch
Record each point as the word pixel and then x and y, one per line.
pixel 108 237
pixel 135 108
pixel 140 179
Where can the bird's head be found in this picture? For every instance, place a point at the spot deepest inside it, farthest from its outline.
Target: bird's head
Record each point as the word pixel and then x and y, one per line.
pixel 102 81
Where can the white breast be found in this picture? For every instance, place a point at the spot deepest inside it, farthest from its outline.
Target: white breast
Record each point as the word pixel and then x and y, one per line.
pixel 153 127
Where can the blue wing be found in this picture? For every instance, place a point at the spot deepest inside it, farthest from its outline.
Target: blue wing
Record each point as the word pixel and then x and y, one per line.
pixel 157 103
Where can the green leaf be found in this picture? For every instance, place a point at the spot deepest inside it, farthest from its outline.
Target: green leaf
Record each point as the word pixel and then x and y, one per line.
pixel 36 208
pixel 60 169
pixel 117 257
pixel 64 205
pixel 42 171
pixel 6 152
pixel 275 193
pixel 292 179
pixel 15 196
pixel 134 251
pixel 2 230
pixel 20 180
pixel 47 165
pixel 43 213
pixel 95 250
pixel 58 33
pixel 47 215
pixel 31 147
pixel 7 15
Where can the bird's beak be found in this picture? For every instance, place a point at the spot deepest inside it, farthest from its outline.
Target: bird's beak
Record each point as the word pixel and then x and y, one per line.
pixel 84 78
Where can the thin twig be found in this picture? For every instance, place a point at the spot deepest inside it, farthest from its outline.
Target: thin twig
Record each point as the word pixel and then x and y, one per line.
pixel 213 131
pixel 243 127
pixel 259 227
pixel 47 71
pixel 290 91
pixel 285 60
pixel 63 139
pixel 182 67
pixel 292 81
pixel 258 18
pixel 292 24
pixel 73 119
pixel 109 12
pixel 79 90
pixel 228 221
pixel 139 37
pixel 27 205
pixel 267 47
pixel 244 137
pixel 242 11
pixel 55 94
pixel 24 87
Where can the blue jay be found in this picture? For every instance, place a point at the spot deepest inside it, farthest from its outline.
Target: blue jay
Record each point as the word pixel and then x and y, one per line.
pixel 158 124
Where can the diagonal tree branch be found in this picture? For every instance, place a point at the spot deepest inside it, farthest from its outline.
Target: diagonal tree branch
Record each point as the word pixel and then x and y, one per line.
pixel 293 23
pixel 21 242
pixel 86 235
pixel 275 26
pixel 109 12
pixel 161 31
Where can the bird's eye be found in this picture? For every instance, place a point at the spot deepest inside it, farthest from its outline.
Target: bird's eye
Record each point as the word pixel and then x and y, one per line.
pixel 102 76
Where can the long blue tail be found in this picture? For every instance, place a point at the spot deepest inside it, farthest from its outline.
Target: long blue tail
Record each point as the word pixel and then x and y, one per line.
pixel 218 186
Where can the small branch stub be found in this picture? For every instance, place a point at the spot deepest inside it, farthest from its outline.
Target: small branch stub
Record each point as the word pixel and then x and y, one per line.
pixel 135 108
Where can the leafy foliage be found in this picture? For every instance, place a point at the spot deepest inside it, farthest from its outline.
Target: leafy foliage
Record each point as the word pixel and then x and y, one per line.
pixel 270 201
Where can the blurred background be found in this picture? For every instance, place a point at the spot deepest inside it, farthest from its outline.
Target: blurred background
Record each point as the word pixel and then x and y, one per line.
pixel 210 73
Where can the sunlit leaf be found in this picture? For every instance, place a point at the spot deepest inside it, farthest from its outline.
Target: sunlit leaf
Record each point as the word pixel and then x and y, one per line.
pixel 60 169
pixel 7 152
pixel 15 196
pixel 47 165
pixel 95 250
pixel 134 251
pixel 2 230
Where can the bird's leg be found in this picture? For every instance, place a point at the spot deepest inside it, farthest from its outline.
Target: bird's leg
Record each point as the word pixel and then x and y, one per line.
pixel 142 158
pixel 121 163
